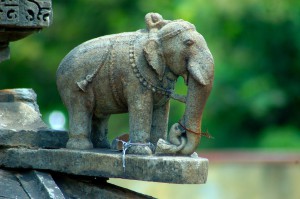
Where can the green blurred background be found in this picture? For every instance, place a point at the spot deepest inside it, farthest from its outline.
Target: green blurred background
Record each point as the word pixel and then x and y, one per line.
pixel 256 46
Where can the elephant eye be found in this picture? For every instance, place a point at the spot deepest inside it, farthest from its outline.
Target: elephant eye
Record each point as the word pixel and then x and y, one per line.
pixel 189 42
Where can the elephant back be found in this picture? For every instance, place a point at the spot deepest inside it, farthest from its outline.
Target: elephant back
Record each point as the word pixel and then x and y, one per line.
pixel 84 57
pixel 85 60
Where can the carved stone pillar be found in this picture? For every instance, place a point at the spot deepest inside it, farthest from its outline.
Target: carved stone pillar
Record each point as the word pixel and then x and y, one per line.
pixel 20 18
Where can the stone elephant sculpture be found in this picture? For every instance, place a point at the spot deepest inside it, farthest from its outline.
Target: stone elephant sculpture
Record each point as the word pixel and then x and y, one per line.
pixel 135 72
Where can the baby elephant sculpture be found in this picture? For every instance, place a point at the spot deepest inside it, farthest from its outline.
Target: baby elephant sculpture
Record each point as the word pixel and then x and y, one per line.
pixel 136 72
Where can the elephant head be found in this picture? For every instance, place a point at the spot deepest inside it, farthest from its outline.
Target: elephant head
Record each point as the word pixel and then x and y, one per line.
pixel 178 48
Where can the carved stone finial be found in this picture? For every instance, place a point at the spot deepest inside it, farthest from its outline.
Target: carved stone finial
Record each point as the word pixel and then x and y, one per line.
pixel 20 18
pixel 155 21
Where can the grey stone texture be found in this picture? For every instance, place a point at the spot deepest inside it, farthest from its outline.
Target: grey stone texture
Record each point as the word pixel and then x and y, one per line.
pixel 39 185
pixel 19 110
pixel 79 187
pixel 105 163
pixel 35 184
pixel 136 72
pixel 150 61
pixel 32 133
pixel 25 13
pixel 10 187
pixel 45 138
pixel 4 52
pixel 20 18
pixel 21 123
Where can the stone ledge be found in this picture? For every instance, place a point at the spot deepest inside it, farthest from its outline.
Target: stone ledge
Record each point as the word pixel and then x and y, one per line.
pixel 107 163
pixel 39 185
pixel 77 187
pixel 31 184
pixel 44 138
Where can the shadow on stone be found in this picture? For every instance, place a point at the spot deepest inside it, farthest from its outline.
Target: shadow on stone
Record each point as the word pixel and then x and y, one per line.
pixel 90 187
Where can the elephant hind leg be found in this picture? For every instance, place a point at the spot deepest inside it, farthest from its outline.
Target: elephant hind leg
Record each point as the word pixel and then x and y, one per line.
pixel 80 126
pixel 99 131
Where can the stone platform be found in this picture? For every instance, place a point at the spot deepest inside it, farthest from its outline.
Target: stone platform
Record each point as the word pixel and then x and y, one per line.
pixel 108 164
pixel 35 164
pixel 33 184
pixel 41 138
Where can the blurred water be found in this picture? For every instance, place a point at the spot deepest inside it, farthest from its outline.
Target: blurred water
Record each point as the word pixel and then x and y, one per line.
pixel 230 181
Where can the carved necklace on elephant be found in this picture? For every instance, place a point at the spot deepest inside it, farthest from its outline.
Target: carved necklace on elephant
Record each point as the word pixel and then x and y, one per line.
pixel 154 87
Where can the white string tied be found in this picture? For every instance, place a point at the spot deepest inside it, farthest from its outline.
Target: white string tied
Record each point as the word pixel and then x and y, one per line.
pixel 127 145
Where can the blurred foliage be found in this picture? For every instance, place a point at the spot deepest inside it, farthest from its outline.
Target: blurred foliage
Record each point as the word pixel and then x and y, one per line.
pixel 256 46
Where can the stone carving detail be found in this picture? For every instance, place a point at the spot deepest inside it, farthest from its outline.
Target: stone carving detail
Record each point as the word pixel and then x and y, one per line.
pixel 9 14
pixel 136 72
pixel 20 18
pixel 25 13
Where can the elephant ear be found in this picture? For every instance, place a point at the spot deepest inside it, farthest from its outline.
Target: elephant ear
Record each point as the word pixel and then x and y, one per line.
pixel 154 57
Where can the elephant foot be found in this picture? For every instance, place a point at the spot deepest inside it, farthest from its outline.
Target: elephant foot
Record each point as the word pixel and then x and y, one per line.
pixel 140 150
pixel 102 143
pixel 75 143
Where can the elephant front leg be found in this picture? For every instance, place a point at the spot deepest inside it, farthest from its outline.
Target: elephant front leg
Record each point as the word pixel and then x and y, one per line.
pixel 140 120
pixel 160 120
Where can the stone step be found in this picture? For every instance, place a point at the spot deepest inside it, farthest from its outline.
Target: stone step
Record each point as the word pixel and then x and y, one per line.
pixel 21 124
pixel 43 138
pixel 10 187
pixel 33 184
pixel 39 185
pixel 78 186
pixel 109 164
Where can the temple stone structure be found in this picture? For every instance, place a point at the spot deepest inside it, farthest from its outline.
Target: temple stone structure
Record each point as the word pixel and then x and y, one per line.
pixel 34 161
pixel 20 18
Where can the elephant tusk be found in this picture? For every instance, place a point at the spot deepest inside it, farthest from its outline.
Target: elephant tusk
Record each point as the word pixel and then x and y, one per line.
pixel 164 147
pixel 180 98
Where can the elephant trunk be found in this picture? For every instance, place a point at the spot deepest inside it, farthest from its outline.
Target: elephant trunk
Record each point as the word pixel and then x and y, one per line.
pixel 199 87
pixel 196 99
pixel 200 78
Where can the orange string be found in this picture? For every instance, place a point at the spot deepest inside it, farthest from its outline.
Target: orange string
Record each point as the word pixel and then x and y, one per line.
pixel 198 134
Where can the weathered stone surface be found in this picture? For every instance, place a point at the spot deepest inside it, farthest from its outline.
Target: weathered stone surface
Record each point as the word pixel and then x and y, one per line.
pixel 19 110
pixel 32 184
pixel 148 63
pixel 45 138
pixel 4 52
pixel 105 163
pixel 25 13
pixel 19 116
pixel 39 185
pixel 77 187
pixel 20 18
pixel 21 124
pixel 10 187
pixel 25 95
